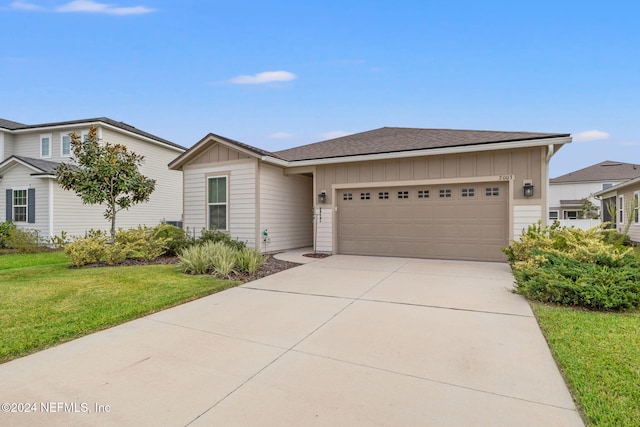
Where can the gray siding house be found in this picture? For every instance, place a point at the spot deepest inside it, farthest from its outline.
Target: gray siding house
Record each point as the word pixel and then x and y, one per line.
pixel 430 193
pixel 30 197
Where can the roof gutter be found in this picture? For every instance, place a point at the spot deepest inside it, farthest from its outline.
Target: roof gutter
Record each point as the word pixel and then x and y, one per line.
pixel 424 152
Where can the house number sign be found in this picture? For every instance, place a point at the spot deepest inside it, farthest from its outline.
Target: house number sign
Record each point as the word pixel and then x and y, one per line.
pixel 506 177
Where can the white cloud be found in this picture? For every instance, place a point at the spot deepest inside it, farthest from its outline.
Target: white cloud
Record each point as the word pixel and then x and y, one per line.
pixel 590 135
pixel 334 134
pixel 83 6
pixel 265 77
pixel 280 135
pixel 21 5
pixel 90 6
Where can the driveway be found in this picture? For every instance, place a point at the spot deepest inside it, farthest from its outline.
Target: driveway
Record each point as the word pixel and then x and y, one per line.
pixel 341 341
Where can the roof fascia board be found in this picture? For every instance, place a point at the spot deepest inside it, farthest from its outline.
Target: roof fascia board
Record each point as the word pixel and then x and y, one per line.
pixel 201 146
pixel 94 123
pixel 613 191
pixel 12 161
pixel 417 153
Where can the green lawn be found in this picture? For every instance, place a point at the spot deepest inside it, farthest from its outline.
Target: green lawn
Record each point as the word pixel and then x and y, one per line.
pixel 599 354
pixel 43 302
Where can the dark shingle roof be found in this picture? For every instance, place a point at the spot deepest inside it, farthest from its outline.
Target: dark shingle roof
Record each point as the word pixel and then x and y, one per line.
pixel 44 167
pixel 121 125
pixel 8 124
pixel 392 139
pixel 604 171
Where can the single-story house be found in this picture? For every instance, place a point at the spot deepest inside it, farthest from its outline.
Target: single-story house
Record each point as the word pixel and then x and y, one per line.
pixel 567 191
pixel 623 201
pixel 31 198
pixel 432 193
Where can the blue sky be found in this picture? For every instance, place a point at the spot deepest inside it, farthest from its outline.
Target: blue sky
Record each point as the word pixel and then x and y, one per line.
pixel 283 73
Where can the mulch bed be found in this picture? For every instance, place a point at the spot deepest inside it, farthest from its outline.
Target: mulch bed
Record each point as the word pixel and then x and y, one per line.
pixel 269 267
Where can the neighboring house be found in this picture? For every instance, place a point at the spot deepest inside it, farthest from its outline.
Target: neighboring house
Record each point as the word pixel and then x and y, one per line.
pixel 567 191
pixel 430 193
pixel 624 199
pixel 30 197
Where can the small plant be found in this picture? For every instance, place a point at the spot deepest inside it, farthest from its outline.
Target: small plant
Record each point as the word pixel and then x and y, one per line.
pixel 59 241
pixel 23 241
pixel 197 259
pixel 250 260
pixel 5 230
pixel 141 243
pixel 219 236
pixel 176 238
pixel 87 250
pixel 224 259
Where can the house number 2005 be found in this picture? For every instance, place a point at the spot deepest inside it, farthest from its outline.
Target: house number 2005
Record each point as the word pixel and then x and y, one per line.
pixel 506 177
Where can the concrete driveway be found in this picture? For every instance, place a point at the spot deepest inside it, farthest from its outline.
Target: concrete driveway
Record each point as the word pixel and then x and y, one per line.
pixel 342 341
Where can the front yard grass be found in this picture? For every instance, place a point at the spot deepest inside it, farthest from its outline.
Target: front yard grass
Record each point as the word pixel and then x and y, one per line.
pixel 43 302
pixel 599 354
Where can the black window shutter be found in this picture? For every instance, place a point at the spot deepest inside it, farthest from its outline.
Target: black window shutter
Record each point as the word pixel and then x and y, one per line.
pixel 9 216
pixel 31 205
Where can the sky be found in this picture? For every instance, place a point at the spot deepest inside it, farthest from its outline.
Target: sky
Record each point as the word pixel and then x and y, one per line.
pixel 277 74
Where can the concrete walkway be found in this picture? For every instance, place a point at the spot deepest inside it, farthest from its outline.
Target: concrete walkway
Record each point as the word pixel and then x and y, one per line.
pixel 340 341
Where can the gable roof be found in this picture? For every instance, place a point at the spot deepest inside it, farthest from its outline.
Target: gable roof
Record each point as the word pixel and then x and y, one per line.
pixel 15 126
pixel 394 139
pixel 39 166
pixel 612 191
pixel 603 171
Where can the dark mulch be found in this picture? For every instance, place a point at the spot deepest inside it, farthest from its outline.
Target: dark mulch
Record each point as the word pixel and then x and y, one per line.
pixel 270 266
pixel 316 255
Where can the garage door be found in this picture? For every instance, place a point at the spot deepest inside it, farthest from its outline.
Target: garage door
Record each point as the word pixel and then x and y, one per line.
pixel 461 221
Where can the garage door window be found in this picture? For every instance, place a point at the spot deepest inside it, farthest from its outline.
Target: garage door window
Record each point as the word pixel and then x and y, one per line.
pixel 468 192
pixel 403 194
pixel 383 195
pixel 492 191
pixel 365 196
pixel 347 196
pixel 445 193
pixel 423 194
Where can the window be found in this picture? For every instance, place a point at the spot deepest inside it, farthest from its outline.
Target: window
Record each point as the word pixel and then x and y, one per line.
pixel 554 215
pixel 365 196
pixel 606 185
pixel 20 205
pixel 403 194
pixel 65 145
pixel 217 202
pixel 423 194
pixel 636 208
pixel 492 191
pixel 347 196
pixel 445 193
pixel 571 214
pixel 468 192
pixel 621 209
pixel 45 145
pixel 383 195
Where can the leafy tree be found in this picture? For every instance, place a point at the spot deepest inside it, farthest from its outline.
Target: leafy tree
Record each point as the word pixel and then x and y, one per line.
pixel 589 210
pixel 104 173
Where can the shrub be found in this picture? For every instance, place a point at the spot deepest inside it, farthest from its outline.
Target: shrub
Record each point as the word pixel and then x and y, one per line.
pixel 250 260
pixel 224 259
pixel 141 243
pixel 574 267
pixel 219 236
pixel 87 250
pixel 23 241
pixel 5 229
pixel 176 238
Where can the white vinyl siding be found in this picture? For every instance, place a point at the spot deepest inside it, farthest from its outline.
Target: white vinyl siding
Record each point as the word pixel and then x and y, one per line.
pixel 324 241
pixel 241 198
pixel 19 177
pixel 524 216
pixel 286 203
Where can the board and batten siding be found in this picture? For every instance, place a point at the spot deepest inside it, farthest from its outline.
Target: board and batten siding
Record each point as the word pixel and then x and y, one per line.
pixel 241 198
pixel 286 203
pixel 19 178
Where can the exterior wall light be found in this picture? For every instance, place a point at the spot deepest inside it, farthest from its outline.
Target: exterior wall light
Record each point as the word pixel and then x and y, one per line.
pixel 322 197
pixel 528 189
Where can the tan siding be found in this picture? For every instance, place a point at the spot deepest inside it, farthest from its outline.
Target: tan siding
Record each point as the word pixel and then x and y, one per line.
pixel 634 229
pixel 241 200
pixel 218 153
pixel 524 164
pixel 324 241
pixel 285 209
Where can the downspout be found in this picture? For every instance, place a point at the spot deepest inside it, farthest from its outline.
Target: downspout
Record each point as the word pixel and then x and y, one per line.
pixel 51 188
pixel 545 213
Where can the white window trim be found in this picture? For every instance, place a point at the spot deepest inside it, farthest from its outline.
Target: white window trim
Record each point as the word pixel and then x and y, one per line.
pixel 62 153
pixel 226 203
pixel 636 208
pixel 621 210
pixel 26 206
pixel 43 136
